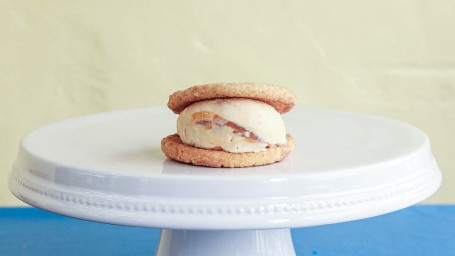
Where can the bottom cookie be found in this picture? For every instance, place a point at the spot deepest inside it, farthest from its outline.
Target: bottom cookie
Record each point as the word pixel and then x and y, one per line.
pixel 174 148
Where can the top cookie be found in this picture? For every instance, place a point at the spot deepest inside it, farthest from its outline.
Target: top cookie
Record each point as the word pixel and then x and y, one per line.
pixel 282 99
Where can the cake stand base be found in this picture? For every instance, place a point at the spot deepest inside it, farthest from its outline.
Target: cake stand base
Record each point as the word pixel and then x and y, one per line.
pixel 225 242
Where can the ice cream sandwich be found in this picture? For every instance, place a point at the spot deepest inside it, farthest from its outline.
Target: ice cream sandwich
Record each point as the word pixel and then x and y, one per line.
pixel 230 125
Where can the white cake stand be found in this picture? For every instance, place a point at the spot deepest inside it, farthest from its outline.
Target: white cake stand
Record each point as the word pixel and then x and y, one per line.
pixel 109 168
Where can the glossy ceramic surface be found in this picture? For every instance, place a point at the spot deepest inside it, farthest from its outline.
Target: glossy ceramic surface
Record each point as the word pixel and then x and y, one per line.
pixel 109 168
pixel 268 242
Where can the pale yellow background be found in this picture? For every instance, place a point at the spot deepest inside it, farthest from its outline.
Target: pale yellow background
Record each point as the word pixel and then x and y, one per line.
pixel 61 59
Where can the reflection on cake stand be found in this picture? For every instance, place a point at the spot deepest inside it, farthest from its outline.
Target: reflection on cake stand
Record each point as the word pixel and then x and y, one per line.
pixel 109 168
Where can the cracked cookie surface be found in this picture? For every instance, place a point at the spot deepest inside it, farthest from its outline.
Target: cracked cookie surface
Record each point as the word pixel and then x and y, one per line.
pixel 282 99
pixel 174 148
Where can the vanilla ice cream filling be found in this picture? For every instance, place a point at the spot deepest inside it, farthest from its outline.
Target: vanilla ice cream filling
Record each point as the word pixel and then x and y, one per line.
pixel 233 125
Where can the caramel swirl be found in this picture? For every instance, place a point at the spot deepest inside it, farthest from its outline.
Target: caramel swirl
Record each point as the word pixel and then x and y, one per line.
pixel 207 119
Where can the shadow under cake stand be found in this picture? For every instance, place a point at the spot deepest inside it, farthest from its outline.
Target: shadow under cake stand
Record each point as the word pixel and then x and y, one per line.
pixel 109 168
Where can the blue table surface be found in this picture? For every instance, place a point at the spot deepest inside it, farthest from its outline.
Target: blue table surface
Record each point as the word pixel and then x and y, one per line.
pixel 417 230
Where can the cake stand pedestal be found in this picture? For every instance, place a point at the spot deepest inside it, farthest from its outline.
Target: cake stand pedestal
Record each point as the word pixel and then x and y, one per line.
pixel 109 168
pixel 226 242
